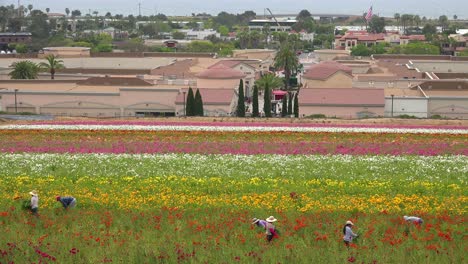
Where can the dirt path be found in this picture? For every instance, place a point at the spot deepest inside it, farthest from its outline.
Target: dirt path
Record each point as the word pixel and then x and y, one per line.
pixel 376 121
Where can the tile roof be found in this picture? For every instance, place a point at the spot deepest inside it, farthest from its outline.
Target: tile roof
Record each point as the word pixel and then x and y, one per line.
pixel 342 96
pixel 221 72
pixel 233 63
pixel 324 70
pixel 444 85
pixel 363 36
pixel 111 81
pixel 209 95
pixel 417 37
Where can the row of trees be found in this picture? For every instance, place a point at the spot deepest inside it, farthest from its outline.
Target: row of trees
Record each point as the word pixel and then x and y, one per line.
pixel 287 103
pixel 194 105
pixel 30 70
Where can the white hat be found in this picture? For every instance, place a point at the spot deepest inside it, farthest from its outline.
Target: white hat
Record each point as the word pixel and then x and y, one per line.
pixel 271 219
pixel 349 223
pixel 33 193
pixel 405 217
pixel 255 220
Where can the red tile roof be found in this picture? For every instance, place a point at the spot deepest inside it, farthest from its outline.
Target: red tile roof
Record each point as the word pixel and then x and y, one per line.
pixel 221 72
pixel 209 95
pixel 324 70
pixel 342 96
pixel 417 37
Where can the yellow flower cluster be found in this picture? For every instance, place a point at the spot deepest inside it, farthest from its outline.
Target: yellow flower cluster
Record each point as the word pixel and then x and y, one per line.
pixel 263 193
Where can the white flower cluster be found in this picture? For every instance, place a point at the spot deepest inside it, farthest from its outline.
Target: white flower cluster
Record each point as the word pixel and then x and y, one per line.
pixel 340 167
pixel 240 129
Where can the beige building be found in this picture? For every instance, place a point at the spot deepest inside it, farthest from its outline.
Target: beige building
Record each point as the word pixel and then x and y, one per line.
pixel 66 52
pixel 248 68
pixel 96 97
pixel 328 74
pixel 342 102
pixel 331 54
pixel 219 77
pixel 216 102
pixel 110 97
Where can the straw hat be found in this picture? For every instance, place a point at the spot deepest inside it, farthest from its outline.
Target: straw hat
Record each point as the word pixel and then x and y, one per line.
pixel 255 220
pixel 33 193
pixel 349 223
pixel 271 219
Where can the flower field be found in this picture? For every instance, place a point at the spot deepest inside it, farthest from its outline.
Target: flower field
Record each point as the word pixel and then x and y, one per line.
pixel 185 193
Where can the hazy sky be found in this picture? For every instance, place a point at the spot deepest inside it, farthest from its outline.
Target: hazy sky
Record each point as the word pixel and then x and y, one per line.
pixel 429 8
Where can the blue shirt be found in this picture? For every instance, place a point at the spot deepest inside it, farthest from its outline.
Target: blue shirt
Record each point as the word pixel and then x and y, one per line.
pixel 66 201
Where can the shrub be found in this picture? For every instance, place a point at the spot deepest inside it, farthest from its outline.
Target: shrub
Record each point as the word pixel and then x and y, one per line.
pixel 317 116
pixel 405 116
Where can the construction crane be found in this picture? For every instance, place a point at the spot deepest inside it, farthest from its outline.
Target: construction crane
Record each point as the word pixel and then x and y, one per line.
pixel 279 26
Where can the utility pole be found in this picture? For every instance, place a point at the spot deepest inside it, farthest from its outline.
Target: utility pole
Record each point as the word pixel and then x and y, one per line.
pixel 19 10
pixel 139 9
pixel 16 104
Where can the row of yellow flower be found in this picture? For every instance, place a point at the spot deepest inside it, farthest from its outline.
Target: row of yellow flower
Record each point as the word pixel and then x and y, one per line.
pixel 269 193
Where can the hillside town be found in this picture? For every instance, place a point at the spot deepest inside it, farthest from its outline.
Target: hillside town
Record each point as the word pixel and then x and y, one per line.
pixel 303 65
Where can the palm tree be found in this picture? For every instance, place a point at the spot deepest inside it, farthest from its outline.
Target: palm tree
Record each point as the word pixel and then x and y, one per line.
pixel 67 11
pixel 30 8
pixel 52 65
pixel 397 17
pixel 269 80
pixel 47 10
pixel 287 60
pixel 24 70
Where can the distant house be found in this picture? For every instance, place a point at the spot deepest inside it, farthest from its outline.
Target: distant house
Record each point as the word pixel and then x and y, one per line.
pixel 280 24
pixel 328 74
pixel 199 34
pixel 249 71
pixel 361 37
pixel 10 37
pixel 353 38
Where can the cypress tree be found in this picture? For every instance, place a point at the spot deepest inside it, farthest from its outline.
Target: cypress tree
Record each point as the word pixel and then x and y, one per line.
pixel 198 104
pixel 267 101
pixel 296 105
pixel 240 101
pixel 255 102
pixel 284 108
pixel 190 103
pixel 290 104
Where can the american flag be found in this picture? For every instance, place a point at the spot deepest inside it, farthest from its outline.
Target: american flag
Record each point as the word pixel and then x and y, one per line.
pixel 369 14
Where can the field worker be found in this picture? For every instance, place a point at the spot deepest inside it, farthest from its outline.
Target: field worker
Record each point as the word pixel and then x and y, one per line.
pixel 67 201
pixel 270 229
pixel 348 233
pixel 259 222
pixel 34 202
pixel 413 219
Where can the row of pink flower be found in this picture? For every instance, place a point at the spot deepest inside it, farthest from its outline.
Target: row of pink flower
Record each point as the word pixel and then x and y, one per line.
pixel 241 124
pixel 246 148
pixel 165 127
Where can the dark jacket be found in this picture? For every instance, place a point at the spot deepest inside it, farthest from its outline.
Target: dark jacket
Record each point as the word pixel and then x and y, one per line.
pixel 66 201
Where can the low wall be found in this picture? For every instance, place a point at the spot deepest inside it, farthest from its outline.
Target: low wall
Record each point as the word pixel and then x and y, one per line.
pixel 152 54
pixel 19 56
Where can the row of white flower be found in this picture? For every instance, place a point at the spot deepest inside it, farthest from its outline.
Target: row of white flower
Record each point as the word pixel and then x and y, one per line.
pixel 438 169
pixel 239 129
